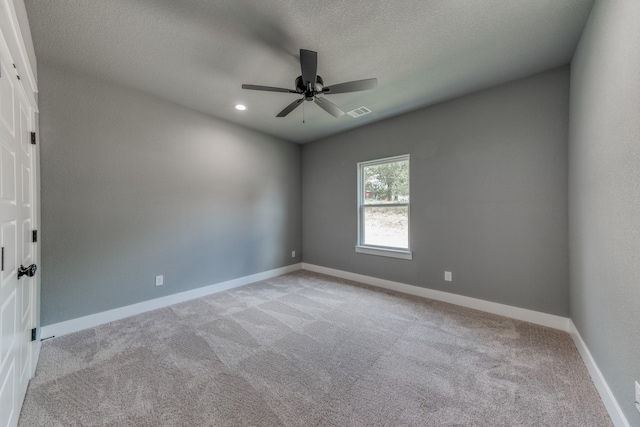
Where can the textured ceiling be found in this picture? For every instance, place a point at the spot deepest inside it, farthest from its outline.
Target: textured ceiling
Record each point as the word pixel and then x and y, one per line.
pixel 197 53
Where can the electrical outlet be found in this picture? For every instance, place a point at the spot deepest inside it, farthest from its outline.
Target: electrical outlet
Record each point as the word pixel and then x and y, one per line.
pixel 293 254
pixel 637 396
pixel 447 276
pixel 159 280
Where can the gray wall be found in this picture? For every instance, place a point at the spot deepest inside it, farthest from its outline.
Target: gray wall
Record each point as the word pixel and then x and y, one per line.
pixel 134 187
pixel 604 197
pixel 488 195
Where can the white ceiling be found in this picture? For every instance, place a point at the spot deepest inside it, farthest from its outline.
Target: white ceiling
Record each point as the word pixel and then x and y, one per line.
pixel 197 53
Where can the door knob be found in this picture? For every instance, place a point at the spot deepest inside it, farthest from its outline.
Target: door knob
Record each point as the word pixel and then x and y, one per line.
pixel 27 271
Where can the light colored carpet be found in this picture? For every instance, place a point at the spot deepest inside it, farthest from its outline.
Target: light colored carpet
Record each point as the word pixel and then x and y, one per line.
pixel 311 350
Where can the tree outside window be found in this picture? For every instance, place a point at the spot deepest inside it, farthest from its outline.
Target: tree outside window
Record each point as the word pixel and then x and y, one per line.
pixel 384 203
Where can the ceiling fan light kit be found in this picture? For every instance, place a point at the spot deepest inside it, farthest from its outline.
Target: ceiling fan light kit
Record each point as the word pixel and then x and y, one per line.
pixel 309 84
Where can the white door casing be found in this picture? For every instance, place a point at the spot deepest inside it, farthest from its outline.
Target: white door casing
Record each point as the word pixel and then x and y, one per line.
pixel 17 220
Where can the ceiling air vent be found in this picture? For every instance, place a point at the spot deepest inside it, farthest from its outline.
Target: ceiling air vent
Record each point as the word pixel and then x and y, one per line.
pixel 361 111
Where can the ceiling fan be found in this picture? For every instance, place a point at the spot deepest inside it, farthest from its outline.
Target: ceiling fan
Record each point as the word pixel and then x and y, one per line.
pixel 310 85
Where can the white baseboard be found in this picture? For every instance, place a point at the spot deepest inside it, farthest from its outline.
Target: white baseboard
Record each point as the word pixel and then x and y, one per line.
pixel 544 319
pixel 92 320
pixel 610 402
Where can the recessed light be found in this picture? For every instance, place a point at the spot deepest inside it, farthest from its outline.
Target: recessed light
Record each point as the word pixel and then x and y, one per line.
pixel 240 107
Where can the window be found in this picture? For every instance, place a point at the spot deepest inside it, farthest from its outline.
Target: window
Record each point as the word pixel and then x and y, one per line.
pixel 383 207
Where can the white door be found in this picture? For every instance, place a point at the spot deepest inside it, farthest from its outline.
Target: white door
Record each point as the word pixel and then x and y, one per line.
pixel 17 210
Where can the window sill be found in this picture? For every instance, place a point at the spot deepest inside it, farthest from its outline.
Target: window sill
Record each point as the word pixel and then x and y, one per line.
pixel 390 253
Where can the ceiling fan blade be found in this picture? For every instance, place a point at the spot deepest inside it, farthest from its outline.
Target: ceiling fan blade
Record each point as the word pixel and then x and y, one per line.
pixel 354 86
pixel 289 108
pixel 309 66
pixel 268 88
pixel 329 107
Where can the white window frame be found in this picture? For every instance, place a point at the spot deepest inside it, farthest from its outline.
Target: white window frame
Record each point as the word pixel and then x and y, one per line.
pixel 401 253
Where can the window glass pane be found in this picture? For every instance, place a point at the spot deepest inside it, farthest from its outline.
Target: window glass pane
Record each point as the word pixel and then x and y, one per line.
pixel 386 183
pixel 386 226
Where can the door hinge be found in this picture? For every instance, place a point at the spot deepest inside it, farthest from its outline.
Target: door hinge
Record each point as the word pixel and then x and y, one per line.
pixel 33 334
pixel 33 138
pixel 34 236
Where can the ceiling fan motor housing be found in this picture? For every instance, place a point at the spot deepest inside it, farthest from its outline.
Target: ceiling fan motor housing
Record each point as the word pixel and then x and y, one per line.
pixel 309 94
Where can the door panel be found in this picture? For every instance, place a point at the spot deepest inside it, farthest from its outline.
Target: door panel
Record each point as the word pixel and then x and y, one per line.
pixel 26 246
pixel 8 238
pixel 8 399
pixel 6 100
pixel 8 328
pixel 8 163
pixel 24 131
pixel 26 186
